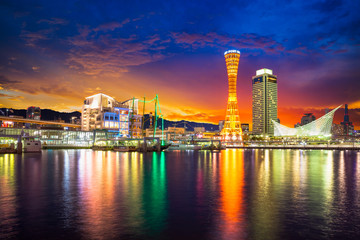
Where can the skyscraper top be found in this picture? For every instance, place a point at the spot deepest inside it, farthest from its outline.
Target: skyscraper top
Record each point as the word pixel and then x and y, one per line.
pixel 232 51
pixel 346 116
pixel 263 71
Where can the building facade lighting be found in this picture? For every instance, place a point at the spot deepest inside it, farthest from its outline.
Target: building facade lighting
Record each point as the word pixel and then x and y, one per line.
pixel 264 101
pixel 232 126
pixel 319 127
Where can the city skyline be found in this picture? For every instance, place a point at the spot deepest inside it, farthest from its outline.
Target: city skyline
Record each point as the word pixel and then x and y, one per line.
pixel 53 55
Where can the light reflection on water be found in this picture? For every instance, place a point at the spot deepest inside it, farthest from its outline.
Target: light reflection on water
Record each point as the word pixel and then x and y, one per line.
pixel 231 223
pixel 232 194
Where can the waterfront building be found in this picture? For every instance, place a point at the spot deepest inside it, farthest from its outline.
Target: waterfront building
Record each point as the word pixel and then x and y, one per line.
pixel 211 135
pixel 169 133
pixel 348 127
pixel 307 118
pixel 135 119
pixel 320 127
pixel 199 130
pixel 337 130
pixel 221 125
pixel 101 111
pixel 245 127
pixel 21 122
pixel 264 102
pixel 52 137
pixel 33 113
pixel 75 120
pixel 232 129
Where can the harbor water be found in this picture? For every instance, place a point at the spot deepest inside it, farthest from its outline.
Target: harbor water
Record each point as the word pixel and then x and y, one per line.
pixel 228 194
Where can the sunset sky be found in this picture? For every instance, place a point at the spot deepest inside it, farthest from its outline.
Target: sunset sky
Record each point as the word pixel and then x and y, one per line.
pixel 55 53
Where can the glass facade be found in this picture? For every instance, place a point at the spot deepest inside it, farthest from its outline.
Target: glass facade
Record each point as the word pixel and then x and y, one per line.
pixel 54 137
pixel 264 102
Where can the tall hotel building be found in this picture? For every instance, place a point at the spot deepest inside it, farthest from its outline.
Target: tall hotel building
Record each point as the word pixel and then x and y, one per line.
pixel 264 101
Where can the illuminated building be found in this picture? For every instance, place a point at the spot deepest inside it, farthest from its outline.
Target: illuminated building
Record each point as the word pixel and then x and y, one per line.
pixel 307 118
pixel 221 125
pixel 199 130
pixel 170 132
pixel 134 117
pixel 75 120
pixel 348 127
pixel 319 127
pixel 232 129
pixel 33 113
pixel 245 127
pixel 337 130
pixel 52 137
pixel 264 102
pixel 101 111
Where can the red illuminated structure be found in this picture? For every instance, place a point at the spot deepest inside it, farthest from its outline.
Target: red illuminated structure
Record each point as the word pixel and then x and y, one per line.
pixel 231 131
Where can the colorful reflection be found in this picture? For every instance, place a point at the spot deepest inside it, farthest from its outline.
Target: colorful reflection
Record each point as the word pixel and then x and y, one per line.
pixel 131 185
pixel 357 174
pixel 122 193
pixel 263 203
pixel 232 194
pixel 154 196
pixel 7 196
pixel 97 194
pixel 231 166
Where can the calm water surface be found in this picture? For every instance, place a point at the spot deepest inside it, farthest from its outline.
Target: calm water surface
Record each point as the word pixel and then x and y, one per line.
pixel 232 194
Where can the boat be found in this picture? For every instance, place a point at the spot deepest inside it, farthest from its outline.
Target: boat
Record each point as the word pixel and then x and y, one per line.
pixel 31 145
pixel 164 147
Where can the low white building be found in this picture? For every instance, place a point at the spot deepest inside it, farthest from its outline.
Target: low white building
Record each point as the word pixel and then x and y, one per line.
pixel 101 111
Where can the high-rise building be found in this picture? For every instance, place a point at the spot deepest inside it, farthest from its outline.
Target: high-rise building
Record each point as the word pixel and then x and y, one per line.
pixel 348 127
pixel 101 111
pixel 232 129
pixel 33 113
pixel 307 118
pixel 264 101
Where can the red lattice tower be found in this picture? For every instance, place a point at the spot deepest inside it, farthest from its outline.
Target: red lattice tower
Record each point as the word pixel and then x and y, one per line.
pixel 232 127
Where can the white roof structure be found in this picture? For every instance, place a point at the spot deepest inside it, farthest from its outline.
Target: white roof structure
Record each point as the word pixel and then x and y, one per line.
pixel 263 71
pixel 319 127
pixel 232 51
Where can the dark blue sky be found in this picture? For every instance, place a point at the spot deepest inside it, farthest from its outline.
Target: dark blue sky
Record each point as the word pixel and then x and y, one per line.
pixel 55 53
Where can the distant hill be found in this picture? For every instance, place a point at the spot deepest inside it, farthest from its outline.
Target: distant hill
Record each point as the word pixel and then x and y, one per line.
pixel 46 114
pixel 51 115
pixel 188 125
